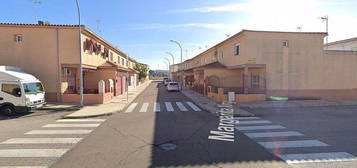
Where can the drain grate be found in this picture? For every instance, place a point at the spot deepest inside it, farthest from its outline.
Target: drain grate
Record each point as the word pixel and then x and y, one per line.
pixel 168 146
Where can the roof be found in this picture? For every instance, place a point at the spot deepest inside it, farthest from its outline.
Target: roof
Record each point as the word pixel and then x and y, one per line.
pixel 342 41
pixel 254 31
pixel 86 30
pixel 14 73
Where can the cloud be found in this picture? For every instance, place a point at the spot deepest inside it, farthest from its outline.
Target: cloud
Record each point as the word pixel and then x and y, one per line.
pixel 183 26
pixel 251 6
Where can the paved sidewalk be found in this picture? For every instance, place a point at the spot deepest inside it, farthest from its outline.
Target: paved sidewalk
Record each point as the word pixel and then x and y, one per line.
pixel 211 105
pixel 298 103
pixel 115 105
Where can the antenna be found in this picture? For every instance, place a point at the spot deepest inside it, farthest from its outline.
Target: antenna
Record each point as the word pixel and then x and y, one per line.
pixel 98 21
pixel 37 3
pixel 228 35
pixel 299 28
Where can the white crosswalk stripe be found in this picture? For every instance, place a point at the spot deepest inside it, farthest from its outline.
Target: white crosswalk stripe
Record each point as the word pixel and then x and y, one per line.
pixel 169 107
pixel 144 107
pixel 58 132
pixel 247 118
pixel 32 152
pixel 181 106
pixel 42 141
pixel 253 122
pixel 264 127
pixel 157 107
pixel 70 125
pixel 80 120
pixel 318 157
pixel 292 144
pixel 131 108
pixel 193 106
pixel 273 134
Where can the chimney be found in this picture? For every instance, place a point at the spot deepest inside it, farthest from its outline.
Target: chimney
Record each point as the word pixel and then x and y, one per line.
pixel 40 22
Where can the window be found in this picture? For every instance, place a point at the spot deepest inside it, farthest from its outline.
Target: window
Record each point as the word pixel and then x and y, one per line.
pixel 11 89
pixel 33 88
pixel 111 56
pixel 66 71
pixel 18 38
pixel 222 54
pixel 286 43
pixel 255 81
pixel 237 49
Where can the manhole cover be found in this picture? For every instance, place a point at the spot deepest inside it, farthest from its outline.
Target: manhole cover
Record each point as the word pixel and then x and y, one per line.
pixel 168 146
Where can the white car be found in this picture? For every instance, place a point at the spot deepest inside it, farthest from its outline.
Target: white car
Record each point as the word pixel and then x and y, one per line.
pixel 19 91
pixel 166 81
pixel 173 86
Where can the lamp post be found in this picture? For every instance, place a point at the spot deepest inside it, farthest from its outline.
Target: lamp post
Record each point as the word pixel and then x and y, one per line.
pixel 181 78
pixel 172 56
pixel 325 19
pixel 167 65
pixel 81 58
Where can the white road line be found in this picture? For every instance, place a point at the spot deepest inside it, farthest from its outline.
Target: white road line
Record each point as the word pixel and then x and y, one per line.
pixel 318 157
pixel 157 107
pixel 193 106
pixel 32 152
pixel 253 122
pixel 169 106
pixel 273 134
pixel 81 120
pixel 57 132
pixel 247 118
pixel 181 106
pixel 42 141
pixel 264 127
pixel 70 125
pixel 131 107
pixel 292 144
pixel 144 107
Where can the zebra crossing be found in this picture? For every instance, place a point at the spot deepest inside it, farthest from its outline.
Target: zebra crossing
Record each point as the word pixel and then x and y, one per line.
pixel 278 138
pixel 44 146
pixel 162 107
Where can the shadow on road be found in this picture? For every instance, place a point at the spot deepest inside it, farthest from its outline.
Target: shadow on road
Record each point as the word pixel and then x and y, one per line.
pixel 181 140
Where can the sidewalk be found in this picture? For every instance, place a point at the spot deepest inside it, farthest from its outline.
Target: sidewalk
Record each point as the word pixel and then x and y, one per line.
pixel 211 105
pixel 115 105
pixel 298 103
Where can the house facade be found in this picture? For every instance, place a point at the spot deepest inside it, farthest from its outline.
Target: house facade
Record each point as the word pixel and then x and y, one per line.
pixel 258 64
pixel 52 53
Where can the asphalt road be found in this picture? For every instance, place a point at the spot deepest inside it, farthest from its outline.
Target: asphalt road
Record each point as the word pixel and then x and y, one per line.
pixel 335 126
pixel 135 137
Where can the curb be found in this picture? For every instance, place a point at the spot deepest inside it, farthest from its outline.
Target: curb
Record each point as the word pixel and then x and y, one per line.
pixel 109 113
pixel 204 107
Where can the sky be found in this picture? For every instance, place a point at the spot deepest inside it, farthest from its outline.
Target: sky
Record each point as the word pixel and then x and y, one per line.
pixel 142 29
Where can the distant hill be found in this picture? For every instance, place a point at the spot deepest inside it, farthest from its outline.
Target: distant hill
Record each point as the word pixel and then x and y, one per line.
pixel 158 73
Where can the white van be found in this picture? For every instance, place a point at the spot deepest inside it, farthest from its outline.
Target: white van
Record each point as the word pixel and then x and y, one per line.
pixel 19 91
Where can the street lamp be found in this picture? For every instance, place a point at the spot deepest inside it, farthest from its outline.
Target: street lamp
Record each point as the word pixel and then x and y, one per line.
pixel 325 18
pixel 81 58
pixel 172 56
pixel 181 78
pixel 167 65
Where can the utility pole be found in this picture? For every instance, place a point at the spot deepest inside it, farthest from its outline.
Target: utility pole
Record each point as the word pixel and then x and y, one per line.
pixel 127 80
pixel 181 77
pixel 81 57
pixel 172 56
pixel 325 19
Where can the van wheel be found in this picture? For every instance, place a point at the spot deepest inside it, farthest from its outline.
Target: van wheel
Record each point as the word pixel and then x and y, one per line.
pixel 8 110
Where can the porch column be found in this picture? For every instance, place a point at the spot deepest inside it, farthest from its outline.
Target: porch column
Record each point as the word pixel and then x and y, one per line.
pixel 245 80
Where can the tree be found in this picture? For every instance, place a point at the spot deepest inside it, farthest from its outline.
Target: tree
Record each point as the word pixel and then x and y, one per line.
pixel 143 70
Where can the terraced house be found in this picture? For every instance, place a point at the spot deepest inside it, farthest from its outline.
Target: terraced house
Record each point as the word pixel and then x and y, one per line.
pixel 52 53
pixel 258 64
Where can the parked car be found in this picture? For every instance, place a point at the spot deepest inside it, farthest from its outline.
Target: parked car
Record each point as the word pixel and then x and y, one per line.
pixel 19 91
pixel 163 80
pixel 167 81
pixel 173 86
